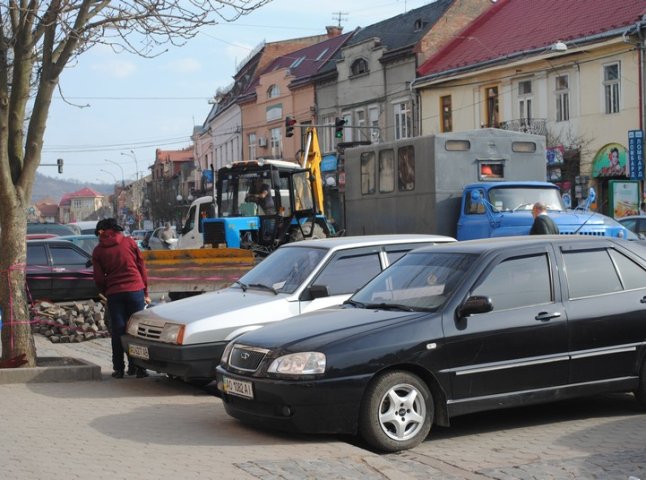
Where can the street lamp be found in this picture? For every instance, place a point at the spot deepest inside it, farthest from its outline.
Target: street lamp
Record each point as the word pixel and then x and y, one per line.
pixel 110 173
pixel 134 157
pixel 123 182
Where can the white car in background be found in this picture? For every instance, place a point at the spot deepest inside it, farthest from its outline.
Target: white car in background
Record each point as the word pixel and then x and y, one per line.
pixel 186 338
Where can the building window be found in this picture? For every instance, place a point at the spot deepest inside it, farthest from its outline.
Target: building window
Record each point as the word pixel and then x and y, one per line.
pixel 359 67
pixel 525 102
pixel 274 112
pixel 360 121
pixel 562 98
pixel 273 91
pixel 252 146
pixel 611 87
pixel 373 121
pixel 326 134
pixel 447 113
pixel 347 130
pixel 403 120
pixel 492 107
pixel 276 143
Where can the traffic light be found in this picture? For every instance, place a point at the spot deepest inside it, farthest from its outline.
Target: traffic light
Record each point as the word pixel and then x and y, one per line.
pixel 338 127
pixel 289 126
pixel 59 162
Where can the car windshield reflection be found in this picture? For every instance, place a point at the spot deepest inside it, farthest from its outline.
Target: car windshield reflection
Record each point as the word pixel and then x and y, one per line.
pixel 420 281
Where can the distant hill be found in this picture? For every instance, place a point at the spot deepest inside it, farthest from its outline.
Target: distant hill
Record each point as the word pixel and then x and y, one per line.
pixel 54 188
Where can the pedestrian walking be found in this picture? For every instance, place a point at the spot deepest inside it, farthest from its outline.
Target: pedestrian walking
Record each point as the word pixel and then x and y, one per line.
pixel 120 275
pixel 543 224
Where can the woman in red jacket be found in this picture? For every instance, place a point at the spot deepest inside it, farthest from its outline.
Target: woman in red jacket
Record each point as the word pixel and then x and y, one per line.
pixel 120 274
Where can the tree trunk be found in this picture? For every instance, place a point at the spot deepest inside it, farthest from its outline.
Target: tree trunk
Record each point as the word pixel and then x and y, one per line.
pixel 16 329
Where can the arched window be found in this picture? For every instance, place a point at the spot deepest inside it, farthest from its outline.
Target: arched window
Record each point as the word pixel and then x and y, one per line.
pixel 273 91
pixel 359 66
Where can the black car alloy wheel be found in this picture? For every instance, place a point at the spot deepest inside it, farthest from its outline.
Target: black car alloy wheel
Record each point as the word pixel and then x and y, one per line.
pixel 396 412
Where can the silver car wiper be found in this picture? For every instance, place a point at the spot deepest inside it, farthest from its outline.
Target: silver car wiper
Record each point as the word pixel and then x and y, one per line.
pixel 262 286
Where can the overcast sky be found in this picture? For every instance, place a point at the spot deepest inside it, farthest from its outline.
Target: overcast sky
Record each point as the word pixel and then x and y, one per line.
pixel 131 105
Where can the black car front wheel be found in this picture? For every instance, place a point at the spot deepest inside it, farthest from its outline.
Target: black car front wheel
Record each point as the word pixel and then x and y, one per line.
pixel 396 412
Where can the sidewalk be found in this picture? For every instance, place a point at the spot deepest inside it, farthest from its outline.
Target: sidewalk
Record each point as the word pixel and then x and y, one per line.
pixel 155 428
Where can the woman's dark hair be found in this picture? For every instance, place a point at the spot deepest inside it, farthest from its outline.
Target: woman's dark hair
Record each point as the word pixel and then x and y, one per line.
pixel 107 224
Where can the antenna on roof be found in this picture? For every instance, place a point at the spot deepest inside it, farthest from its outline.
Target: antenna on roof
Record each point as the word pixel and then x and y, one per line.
pixel 339 17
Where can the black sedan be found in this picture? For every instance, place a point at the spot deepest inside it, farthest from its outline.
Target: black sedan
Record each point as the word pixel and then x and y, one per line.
pixel 450 330
pixel 59 270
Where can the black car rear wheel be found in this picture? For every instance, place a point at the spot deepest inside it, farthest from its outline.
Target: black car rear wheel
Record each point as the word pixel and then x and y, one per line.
pixel 396 412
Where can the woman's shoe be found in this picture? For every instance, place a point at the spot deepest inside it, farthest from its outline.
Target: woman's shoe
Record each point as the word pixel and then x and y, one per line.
pixel 117 374
pixel 141 372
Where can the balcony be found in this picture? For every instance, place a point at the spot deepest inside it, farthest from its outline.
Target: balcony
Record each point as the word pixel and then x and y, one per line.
pixel 537 126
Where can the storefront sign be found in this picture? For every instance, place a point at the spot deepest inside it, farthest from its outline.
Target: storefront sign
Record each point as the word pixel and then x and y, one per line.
pixel 636 154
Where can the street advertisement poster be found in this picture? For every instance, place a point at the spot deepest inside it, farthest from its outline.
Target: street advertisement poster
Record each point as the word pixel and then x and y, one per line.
pixel 610 161
pixel 624 197
pixel 636 154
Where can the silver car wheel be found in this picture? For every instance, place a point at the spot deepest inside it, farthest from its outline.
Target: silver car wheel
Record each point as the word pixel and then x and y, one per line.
pixel 402 412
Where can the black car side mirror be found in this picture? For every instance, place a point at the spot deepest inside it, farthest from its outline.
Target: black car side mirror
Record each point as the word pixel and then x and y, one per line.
pixel 473 305
pixel 317 291
pixel 88 264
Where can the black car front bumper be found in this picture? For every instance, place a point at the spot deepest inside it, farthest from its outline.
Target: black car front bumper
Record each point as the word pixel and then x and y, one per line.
pixel 309 406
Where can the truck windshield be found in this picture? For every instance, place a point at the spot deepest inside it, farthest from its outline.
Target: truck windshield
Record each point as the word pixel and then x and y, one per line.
pixel 418 281
pixel 513 199
pixel 285 269
pixel 243 194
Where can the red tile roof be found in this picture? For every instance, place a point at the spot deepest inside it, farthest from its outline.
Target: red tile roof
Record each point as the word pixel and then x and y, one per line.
pixel 184 155
pixel 515 26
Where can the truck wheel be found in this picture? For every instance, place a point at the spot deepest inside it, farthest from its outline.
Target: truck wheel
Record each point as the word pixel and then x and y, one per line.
pixel 640 393
pixel 397 411
pixel 295 235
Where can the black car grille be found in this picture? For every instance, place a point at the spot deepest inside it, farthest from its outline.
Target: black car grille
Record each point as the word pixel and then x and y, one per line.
pixel 214 233
pixel 246 358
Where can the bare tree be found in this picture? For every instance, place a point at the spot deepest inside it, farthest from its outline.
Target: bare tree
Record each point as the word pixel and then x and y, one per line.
pixel 38 40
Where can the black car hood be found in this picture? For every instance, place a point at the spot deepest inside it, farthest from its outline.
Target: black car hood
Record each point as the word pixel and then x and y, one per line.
pixel 313 331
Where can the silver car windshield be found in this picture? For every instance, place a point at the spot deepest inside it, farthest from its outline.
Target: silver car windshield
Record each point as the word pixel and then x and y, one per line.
pixel 418 281
pixel 285 269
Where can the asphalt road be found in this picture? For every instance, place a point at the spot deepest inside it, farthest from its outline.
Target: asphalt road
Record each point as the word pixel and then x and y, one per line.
pixel 155 428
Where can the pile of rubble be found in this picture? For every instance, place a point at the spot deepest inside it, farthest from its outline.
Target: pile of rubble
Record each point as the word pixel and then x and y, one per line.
pixel 68 322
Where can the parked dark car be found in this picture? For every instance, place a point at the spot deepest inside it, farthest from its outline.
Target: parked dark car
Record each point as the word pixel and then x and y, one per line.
pixel 86 241
pixel 38 230
pixel 450 330
pixel 58 270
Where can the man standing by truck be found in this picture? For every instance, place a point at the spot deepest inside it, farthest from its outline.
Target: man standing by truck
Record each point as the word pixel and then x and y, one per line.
pixel 543 224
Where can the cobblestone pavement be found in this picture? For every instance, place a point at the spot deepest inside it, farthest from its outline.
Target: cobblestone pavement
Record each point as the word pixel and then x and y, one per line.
pixel 155 428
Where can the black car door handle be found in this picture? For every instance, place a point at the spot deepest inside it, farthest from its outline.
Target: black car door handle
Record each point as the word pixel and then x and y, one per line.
pixel 545 316
pixel 643 300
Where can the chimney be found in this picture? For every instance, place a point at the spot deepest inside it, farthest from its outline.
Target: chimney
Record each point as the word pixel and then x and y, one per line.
pixel 334 31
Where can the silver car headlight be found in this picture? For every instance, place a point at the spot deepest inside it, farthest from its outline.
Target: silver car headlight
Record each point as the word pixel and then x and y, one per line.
pixel 302 363
pixel 172 333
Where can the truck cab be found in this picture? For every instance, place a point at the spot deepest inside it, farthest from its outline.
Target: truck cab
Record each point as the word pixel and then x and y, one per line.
pixel 191 235
pixel 263 204
pixel 501 209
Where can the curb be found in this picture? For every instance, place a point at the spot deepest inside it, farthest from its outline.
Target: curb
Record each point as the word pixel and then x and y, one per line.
pixel 52 369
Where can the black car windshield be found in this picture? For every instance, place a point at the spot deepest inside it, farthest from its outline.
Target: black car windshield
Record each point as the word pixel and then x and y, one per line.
pixel 418 281
pixel 285 269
